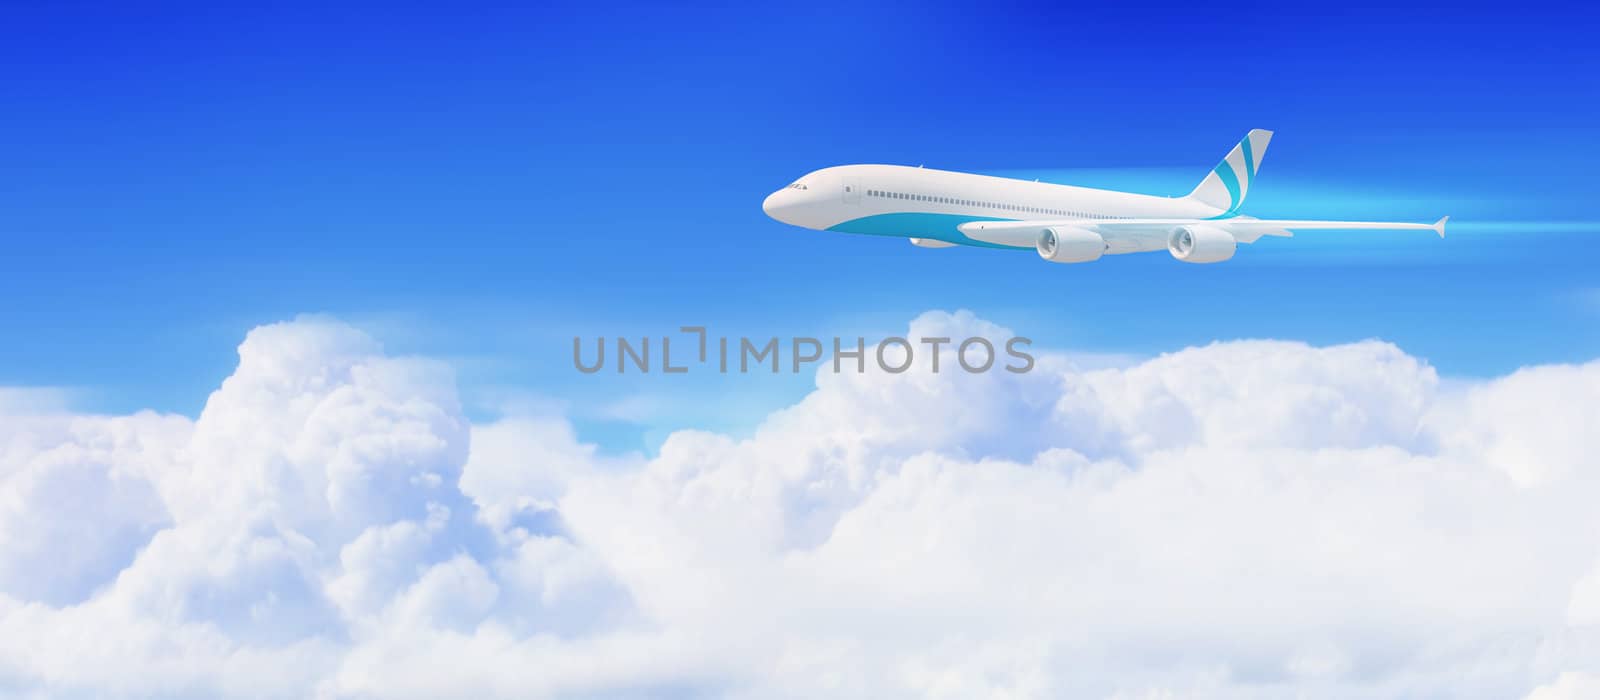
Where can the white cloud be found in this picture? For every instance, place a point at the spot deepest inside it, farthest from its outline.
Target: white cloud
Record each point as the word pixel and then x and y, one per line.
pixel 521 466
pixel 1246 519
pixel 76 499
pixel 1570 686
pixel 1257 394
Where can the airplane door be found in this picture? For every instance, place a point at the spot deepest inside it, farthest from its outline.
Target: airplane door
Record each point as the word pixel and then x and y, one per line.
pixel 852 192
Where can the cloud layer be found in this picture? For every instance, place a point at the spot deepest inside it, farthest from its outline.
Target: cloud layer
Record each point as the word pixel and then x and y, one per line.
pixel 1245 519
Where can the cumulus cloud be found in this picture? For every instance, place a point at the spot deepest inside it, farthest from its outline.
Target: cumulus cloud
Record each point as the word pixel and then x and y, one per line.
pixel 77 499
pixel 1246 519
pixel 1570 686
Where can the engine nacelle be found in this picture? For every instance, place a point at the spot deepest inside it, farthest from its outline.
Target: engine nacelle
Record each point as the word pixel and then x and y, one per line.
pixel 1064 244
pixel 1201 244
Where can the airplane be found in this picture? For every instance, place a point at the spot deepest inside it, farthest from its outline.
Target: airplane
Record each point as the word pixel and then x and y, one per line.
pixel 1065 224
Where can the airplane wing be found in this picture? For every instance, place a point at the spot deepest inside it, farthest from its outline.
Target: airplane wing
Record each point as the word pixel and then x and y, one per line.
pixel 1023 234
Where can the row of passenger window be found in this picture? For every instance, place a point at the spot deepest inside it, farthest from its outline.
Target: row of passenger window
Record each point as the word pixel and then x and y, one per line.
pixel 989 205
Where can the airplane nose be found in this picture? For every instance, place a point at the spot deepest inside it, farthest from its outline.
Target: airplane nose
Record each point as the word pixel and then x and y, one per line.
pixel 780 205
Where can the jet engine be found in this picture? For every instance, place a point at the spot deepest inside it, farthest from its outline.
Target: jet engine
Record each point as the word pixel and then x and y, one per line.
pixel 1201 244
pixel 1064 244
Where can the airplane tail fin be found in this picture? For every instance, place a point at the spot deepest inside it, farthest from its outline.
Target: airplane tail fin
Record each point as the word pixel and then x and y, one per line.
pixel 1226 185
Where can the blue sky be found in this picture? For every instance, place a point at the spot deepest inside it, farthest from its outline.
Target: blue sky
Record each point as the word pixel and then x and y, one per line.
pixel 485 183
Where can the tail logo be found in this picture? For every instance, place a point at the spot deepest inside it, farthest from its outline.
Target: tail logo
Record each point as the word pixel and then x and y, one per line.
pixel 1225 187
pixel 1229 174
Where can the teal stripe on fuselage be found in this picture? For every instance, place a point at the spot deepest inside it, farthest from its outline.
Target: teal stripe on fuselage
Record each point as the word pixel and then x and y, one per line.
pixel 938 227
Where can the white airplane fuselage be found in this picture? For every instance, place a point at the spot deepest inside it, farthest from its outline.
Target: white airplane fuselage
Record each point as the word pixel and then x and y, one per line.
pixel 928 205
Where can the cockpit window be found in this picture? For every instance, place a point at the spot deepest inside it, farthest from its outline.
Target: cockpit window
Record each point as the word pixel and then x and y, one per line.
pixel 797 186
